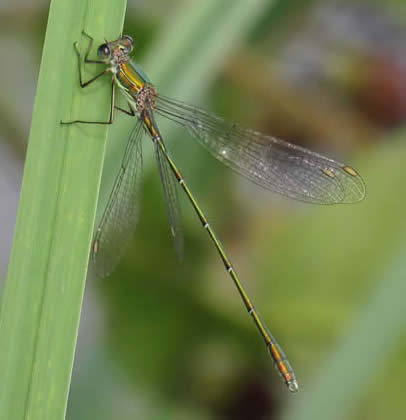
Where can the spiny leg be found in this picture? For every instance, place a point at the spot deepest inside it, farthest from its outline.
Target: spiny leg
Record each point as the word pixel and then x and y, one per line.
pixel 86 60
pixel 273 347
pixel 89 48
pixel 131 112
pixel 110 120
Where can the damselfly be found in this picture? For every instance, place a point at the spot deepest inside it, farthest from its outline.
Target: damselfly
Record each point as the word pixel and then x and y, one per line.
pixel 274 164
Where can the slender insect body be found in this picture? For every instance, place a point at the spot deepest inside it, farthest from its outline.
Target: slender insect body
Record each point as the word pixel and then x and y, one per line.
pixel 272 163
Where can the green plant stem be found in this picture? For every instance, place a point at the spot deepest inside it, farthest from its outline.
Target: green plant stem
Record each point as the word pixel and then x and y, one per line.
pixel 42 299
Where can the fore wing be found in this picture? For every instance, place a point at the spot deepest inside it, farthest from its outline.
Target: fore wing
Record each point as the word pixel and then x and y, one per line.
pixel 272 163
pixel 121 213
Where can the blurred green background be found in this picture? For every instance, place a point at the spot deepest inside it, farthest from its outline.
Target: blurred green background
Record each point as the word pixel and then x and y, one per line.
pixel 161 339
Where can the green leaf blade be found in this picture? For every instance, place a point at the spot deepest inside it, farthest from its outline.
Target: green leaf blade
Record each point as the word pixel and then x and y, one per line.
pixel 47 271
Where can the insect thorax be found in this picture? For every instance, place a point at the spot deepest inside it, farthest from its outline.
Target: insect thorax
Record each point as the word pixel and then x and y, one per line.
pixel 145 98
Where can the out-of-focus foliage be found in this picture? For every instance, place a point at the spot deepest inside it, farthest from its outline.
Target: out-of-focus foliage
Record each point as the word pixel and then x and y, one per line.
pixel 164 340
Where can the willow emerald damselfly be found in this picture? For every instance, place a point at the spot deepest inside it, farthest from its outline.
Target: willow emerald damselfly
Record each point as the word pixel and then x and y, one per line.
pixel 272 163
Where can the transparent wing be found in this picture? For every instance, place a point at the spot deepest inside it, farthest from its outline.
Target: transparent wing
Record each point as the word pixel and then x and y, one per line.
pixel 272 163
pixel 169 184
pixel 121 213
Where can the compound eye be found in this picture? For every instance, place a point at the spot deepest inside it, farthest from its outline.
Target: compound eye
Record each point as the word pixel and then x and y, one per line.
pixel 127 43
pixel 104 51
